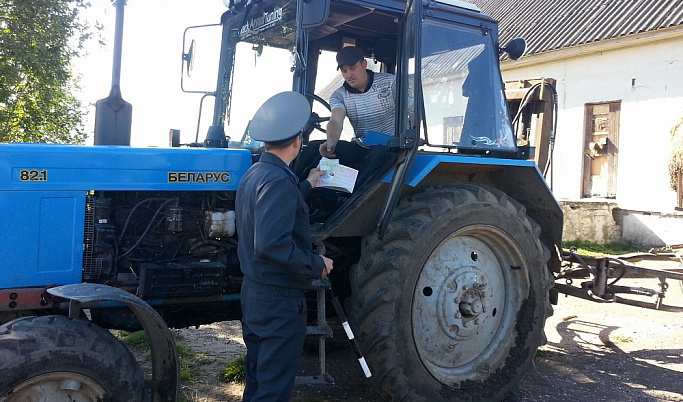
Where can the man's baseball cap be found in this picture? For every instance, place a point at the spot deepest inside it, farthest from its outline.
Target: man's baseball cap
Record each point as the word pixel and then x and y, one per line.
pixel 349 56
pixel 280 118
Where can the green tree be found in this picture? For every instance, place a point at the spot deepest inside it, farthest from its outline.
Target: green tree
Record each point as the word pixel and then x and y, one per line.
pixel 38 40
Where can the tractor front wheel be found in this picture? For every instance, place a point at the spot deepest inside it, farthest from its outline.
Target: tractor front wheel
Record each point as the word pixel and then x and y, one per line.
pixel 55 359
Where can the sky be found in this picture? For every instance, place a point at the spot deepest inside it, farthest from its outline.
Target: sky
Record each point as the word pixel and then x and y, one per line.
pixel 151 68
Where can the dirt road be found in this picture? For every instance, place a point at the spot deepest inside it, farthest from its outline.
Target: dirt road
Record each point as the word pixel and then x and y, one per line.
pixel 609 352
pixel 596 352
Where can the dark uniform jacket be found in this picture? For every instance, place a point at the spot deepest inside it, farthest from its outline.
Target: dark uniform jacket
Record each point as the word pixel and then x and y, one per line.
pixel 270 209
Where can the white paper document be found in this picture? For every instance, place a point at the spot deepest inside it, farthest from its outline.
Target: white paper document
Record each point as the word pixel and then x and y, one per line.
pixel 337 177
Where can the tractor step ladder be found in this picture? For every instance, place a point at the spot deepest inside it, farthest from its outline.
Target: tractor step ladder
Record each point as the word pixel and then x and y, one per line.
pixel 322 331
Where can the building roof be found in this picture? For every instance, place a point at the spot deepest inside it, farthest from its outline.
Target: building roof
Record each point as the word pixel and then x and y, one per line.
pixel 554 24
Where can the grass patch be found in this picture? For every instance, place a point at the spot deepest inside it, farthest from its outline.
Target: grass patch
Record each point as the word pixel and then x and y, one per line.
pixel 233 372
pixel 542 353
pixel 601 250
pixel 190 361
pixel 607 342
pixel 610 343
pixel 133 340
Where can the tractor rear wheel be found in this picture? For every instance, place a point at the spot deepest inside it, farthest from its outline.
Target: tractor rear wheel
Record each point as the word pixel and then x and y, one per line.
pixel 451 305
pixel 54 358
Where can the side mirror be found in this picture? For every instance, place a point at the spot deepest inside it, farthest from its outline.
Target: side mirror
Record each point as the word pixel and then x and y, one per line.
pixel 188 58
pixel 196 68
pixel 314 13
pixel 515 48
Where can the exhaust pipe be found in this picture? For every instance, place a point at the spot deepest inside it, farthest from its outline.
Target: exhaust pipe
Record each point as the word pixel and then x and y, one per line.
pixel 113 115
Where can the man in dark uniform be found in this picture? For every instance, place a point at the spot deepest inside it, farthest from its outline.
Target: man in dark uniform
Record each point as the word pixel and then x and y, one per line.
pixel 275 251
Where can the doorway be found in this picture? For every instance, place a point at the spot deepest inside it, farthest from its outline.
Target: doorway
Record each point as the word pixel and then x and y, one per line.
pixel 601 149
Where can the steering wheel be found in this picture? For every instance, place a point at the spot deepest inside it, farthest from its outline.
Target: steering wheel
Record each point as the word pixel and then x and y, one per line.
pixel 315 120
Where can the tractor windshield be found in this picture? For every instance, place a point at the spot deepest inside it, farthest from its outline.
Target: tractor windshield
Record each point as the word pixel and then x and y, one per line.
pixel 464 101
pixel 264 42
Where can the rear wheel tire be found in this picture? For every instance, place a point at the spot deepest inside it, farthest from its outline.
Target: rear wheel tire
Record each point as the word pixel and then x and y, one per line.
pixel 54 359
pixel 451 305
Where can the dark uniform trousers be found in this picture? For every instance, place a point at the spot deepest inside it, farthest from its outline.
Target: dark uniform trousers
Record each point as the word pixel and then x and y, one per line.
pixel 274 329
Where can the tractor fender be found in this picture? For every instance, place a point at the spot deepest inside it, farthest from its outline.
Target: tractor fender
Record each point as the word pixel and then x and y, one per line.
pixel 425 163
pixel 165 366
pixel 519 179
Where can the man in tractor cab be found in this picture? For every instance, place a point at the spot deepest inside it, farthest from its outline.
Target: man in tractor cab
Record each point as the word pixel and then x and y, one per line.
pixel 368 99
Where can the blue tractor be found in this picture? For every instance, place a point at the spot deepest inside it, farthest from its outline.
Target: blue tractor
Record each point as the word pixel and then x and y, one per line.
pixel 443 259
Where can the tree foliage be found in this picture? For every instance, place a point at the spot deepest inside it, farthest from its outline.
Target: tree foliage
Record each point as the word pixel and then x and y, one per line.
pixel 38 40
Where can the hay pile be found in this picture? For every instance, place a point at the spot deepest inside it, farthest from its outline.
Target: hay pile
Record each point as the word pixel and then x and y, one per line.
pixel 676 158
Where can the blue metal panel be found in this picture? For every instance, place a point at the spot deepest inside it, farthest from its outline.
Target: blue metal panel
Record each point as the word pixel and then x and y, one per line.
pixel 43 167
pixel 425 163
pixel 41 238
pixel 519 179
pixel 43 189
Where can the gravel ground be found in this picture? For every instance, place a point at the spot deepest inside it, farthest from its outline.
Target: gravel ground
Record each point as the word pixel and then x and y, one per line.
pixel 597 352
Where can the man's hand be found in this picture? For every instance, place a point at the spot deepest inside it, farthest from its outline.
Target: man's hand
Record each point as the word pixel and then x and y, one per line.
pixel 327 150
pixel 328 267
pixel 314 175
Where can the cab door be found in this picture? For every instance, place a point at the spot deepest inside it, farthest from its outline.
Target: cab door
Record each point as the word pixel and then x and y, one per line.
pixel 408 106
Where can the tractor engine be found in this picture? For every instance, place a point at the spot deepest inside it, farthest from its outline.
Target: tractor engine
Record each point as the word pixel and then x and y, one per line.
pixel 162 244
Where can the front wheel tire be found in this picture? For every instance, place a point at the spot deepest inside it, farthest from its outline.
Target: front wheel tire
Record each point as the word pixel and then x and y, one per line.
pixel 55 359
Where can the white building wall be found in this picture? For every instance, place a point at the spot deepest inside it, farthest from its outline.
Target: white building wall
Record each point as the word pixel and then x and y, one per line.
pixel 647 77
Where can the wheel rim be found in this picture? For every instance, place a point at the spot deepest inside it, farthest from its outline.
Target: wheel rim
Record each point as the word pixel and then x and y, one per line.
pixel 58 387
pixel 465 304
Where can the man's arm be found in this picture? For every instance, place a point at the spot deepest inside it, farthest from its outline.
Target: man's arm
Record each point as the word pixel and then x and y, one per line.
pixel 334 130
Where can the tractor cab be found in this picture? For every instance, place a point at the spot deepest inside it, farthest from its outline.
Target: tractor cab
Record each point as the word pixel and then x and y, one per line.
pixel 444 55
pixel 450 97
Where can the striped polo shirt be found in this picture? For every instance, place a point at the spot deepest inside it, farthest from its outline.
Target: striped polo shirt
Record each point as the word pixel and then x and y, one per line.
pixel 369 110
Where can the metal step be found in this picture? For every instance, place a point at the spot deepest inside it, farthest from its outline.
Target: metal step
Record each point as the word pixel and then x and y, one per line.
pixel 322 331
